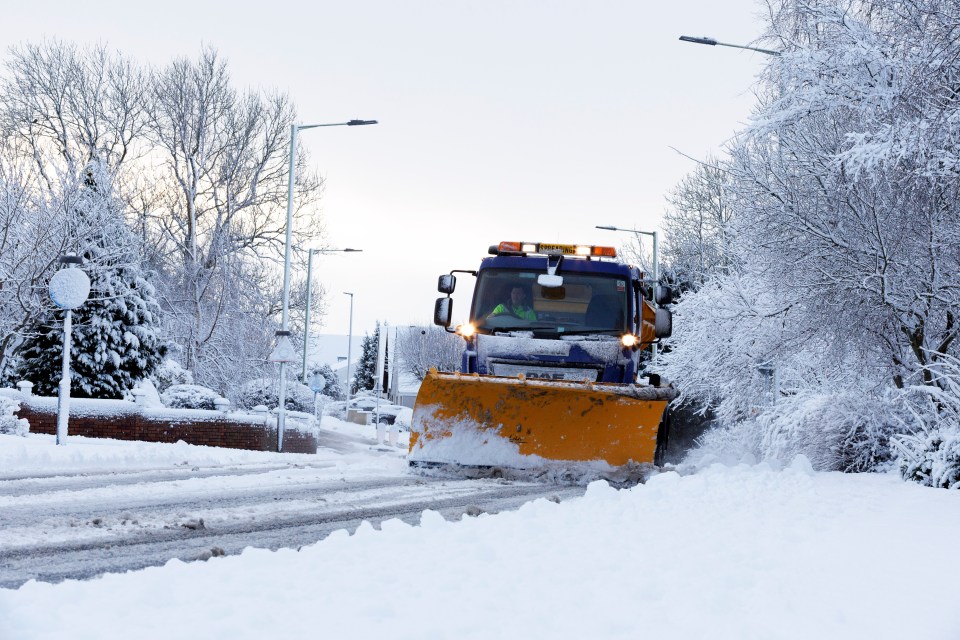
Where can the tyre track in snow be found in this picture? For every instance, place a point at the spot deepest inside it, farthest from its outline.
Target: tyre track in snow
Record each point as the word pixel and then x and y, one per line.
pixel 17 485
pixel 274 517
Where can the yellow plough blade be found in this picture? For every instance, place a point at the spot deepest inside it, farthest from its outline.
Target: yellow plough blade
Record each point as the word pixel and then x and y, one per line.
pixel 490 420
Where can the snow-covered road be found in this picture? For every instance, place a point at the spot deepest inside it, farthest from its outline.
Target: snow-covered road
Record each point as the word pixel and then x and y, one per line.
pixel 80 525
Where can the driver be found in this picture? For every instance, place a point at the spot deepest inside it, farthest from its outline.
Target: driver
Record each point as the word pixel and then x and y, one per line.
pixel 517 305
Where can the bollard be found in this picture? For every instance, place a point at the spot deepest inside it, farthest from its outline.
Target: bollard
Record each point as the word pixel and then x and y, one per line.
pixel 263 413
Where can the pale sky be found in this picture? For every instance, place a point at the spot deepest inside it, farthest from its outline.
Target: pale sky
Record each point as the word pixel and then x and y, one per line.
pixel 499 120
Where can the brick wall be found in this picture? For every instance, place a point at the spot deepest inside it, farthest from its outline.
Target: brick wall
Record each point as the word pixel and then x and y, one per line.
pixel 217 430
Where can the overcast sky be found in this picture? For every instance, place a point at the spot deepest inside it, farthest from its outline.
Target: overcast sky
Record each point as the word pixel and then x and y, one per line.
pixel 499 120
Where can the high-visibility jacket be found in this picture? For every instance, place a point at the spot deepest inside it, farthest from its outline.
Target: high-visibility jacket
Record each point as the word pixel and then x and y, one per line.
pixel 524 313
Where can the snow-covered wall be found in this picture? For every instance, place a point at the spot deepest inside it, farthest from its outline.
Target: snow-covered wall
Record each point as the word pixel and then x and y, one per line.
pixel 124 420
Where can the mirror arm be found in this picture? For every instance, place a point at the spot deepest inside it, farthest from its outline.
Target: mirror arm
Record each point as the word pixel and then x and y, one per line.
pixel 552 268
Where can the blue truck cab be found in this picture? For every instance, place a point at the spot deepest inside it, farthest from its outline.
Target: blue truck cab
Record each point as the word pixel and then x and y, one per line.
pixel 556 312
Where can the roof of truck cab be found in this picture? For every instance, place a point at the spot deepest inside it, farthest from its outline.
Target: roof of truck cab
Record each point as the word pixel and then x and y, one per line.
pixel 569 265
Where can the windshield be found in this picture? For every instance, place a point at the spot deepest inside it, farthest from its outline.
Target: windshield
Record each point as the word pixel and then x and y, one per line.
pixel 511 300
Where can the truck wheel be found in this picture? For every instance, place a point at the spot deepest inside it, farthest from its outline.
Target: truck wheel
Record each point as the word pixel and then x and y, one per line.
pixel 663 439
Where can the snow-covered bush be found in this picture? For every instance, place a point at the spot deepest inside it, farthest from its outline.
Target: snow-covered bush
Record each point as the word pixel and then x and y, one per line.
pixel 149 396
pixel 9 423
pixel 265 391
pixel 840 431
pixel 843 431
pixel 337 409
pixel 189 396
pixel 930 449
pixel 931 458
pixel 168 373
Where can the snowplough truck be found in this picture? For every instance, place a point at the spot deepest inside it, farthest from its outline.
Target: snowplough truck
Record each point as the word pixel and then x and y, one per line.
pixel 553 366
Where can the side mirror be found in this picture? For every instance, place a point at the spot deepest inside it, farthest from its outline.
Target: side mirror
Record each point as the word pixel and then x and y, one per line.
pixel 442 311
pixel 664 294
pixel 663 324
pixel 447 283
pixel 548 281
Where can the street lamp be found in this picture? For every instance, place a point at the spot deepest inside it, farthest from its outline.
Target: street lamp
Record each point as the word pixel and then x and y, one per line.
pixel 306 320
pixel 284 322
pixel 349 345
pixel 714 43
pixel 656 264
pixel 653 234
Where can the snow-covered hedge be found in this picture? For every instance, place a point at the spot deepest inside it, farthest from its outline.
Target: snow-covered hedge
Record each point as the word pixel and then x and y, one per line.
pixel 170 372
pixel 840 431
pixel 265 391
pixel 9 423
pixel 189 396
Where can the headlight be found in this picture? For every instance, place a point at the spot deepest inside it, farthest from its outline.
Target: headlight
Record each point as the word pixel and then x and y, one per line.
pixel 466 330
pixel 629 340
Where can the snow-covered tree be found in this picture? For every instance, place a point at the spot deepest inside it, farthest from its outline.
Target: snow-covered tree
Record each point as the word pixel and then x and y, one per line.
pixel 332 387
pixel 116 333
pixel 420 348
pixel 60 108
pixel 365 375
pixel 219 213
pixel 200 168
pixel 697 225
pixel 845 231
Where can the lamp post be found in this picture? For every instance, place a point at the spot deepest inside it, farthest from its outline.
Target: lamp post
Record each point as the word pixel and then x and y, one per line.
pixel 653 234
pixel 284 322
pixel 656 264
pixel 306 320
pixel 714 43
pixel 349 345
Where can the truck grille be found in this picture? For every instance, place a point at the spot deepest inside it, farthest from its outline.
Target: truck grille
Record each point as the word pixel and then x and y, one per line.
pixel 513 369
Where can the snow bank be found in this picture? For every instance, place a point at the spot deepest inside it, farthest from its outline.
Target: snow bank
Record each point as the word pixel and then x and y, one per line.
pixel 40 454
pixel 741 552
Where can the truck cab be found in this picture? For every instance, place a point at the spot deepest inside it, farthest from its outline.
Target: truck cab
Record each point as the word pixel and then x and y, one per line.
pixel 557 312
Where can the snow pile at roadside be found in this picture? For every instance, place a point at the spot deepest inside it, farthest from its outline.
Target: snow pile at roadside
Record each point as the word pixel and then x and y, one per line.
pixel 730 552
pixel 39 454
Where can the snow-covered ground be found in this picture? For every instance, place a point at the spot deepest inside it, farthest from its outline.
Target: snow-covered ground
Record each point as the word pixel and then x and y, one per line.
pixel 744 551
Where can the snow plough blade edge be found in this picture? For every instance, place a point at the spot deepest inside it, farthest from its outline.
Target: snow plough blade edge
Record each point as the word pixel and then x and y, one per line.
pixel 489 420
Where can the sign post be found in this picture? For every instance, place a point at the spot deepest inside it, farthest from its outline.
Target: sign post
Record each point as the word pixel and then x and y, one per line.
pixel 317 384
pixel 282 353
pixel 69 288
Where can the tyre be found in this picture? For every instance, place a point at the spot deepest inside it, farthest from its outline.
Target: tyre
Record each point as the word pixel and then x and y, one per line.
pixel 663 440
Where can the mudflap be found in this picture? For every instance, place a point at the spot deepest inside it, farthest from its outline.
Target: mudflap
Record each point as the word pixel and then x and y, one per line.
pixel 663 439
pixel 491 421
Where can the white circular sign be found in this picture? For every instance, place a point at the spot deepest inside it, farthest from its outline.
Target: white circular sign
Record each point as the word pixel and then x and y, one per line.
pixel 69 288
pixel 317 382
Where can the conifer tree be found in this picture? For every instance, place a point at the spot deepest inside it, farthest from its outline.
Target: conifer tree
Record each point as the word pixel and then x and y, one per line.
pixel 365 376
pixel 116 339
